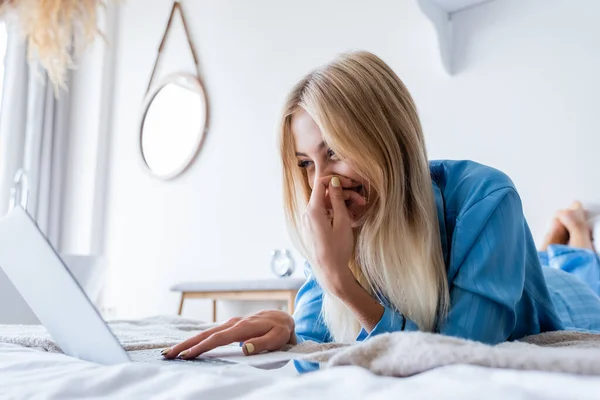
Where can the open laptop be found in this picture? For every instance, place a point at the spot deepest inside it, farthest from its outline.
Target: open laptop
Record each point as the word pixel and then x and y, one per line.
pixel 61 305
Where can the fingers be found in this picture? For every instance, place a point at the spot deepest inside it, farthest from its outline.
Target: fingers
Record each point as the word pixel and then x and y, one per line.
pixel 340 213
pixel 177 349
pixel 237 333
pixel 357 205
pixel 272 340
pixel 348 195
pixel 317 197
pixel 355 197
pixel 240 332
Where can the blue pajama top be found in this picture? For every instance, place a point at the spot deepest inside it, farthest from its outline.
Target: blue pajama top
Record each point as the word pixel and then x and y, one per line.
pixel 498 288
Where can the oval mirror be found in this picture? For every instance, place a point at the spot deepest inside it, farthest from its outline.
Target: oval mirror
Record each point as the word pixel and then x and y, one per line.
pixel 174 124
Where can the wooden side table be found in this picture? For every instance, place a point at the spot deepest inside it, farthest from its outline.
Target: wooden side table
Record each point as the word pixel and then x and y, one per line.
pixel 272 289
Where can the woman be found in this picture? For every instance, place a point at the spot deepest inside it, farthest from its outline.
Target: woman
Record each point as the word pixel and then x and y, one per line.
pixel 569 247
pixel 394 242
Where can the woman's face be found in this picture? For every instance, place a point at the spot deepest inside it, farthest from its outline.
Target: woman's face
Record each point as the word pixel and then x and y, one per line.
pixel 319 161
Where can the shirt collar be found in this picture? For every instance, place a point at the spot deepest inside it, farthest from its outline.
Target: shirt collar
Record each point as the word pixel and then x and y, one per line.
pixel 441 214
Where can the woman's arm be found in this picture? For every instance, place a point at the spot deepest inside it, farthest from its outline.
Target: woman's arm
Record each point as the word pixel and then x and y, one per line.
pixel 373 316
pixel 367 310
pixel 332 244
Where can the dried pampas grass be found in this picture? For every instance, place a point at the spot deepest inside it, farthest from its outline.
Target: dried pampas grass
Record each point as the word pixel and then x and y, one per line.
pixel 56 31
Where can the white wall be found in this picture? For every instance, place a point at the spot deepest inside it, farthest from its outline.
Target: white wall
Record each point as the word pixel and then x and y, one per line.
pixel 523 100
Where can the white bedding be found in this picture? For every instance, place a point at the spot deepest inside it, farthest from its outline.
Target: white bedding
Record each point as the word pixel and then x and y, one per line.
pixel 27 373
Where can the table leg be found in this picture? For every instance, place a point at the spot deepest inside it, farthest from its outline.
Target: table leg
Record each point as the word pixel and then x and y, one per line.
pixel 290 301
pixel 214 311
pixel 181 303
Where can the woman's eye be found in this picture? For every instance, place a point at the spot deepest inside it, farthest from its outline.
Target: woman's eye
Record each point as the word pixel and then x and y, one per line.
pixel 331 154
pixel 304 163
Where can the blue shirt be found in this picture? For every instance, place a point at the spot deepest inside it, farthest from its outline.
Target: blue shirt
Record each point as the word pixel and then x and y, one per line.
pixel 498 290
pixel 573 279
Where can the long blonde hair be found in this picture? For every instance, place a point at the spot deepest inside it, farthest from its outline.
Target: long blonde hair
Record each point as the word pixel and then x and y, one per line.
pixel 368 118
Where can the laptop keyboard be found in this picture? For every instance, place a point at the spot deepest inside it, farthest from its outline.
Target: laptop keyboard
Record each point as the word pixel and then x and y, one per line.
pixel 154 356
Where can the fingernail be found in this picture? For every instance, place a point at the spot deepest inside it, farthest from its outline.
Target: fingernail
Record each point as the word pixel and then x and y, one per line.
pixel 184 353
pixel 335 182
pixel 165 351
pixel 249 346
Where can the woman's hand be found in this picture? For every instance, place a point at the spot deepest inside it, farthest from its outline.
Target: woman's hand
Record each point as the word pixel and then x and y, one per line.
pixel 329 230
pixel 265 330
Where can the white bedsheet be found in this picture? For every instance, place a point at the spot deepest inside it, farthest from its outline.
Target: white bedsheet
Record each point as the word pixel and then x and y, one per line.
pixel 27 373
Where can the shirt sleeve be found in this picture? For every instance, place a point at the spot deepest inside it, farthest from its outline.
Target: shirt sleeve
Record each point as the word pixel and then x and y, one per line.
pixel 391 321
pixel 489 253
pixel 309 301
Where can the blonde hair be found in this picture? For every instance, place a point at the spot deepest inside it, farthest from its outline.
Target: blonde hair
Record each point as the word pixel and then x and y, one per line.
pixel 368 118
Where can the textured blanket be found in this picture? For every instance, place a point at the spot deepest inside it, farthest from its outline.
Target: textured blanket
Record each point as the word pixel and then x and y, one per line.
pixel 409 353
pixel 148 333
pixel 394 354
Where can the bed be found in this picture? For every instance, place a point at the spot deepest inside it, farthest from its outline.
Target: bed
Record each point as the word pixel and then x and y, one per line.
pixel 34 369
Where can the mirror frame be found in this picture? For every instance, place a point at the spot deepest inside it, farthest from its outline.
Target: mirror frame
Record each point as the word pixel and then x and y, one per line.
pixel 191 82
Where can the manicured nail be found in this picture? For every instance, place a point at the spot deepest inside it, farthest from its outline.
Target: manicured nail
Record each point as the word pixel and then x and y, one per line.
pixel 249 348
pixel 183 353
pixel 335 182
pixel 165 351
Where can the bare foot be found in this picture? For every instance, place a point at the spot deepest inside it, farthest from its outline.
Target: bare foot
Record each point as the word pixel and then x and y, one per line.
pixel 574 219
pixel 557 234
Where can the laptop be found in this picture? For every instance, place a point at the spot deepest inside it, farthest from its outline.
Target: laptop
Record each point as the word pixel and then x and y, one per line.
pixel 61 305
